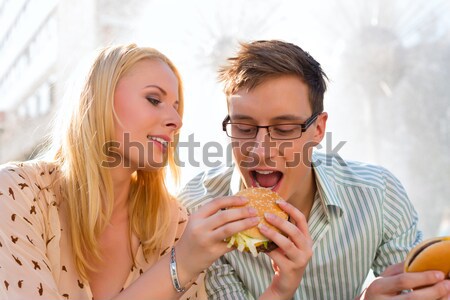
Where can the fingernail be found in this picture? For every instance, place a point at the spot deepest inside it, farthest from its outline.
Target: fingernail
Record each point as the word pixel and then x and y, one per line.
pixel 280 202
pixel 243 199
pixel 263 227
pixel 269 216
pixel 252 211
pixel 439 275
pixel 255 220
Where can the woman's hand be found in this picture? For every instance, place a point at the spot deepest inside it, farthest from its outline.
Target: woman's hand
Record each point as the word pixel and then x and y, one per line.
pixel 291 257
pixel 202 242
pixel 429 285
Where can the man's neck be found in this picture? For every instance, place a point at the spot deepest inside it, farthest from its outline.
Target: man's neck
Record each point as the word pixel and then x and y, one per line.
pixel 304 199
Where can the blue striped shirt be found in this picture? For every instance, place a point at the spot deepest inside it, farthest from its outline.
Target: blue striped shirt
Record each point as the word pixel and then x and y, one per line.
pixel 361 219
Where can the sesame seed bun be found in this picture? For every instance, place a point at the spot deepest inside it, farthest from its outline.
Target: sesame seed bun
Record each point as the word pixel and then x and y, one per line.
pixel 431 254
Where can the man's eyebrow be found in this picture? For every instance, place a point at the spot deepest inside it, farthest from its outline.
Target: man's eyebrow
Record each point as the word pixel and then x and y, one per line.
pixel 241 117
pixel 287 118
pixel 158 87
pixel 277 118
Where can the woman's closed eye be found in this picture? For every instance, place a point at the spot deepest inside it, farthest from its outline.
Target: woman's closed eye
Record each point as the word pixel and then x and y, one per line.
pixel 153 100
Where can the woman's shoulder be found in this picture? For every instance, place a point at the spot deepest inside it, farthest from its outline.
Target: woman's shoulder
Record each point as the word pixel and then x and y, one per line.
pixel 30 170
pixel 29 167
pixel 32 174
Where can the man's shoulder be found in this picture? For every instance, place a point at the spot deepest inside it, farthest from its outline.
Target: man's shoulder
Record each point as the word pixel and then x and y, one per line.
pixel 205 186
pixel 350 172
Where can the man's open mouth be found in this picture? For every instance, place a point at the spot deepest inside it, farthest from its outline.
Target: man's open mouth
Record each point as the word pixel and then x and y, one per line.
pixel 266 178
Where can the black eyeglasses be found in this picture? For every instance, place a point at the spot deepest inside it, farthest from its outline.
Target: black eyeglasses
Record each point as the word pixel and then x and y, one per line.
pixel 287 131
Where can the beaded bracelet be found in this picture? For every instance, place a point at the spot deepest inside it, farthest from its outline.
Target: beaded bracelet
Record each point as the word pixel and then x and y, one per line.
pixel 174 273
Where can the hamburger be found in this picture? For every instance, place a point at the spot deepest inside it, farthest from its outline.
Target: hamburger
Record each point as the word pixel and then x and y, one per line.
pixel 431 254
pixel 251 240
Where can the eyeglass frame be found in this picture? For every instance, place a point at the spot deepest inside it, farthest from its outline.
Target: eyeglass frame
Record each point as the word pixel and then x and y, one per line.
pixel 304 126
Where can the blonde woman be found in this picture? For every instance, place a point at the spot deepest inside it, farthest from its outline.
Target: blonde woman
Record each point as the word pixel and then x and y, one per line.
pixel 96 221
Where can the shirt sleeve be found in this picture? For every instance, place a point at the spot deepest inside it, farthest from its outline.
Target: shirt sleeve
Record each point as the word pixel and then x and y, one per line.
pixel 400 230
pixel 222 282
pixel 26 272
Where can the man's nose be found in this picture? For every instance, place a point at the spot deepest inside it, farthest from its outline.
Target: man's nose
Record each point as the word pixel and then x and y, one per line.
pixel 263 146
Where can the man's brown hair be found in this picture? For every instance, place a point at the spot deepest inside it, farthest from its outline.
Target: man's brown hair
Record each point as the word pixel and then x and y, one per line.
pixel 258 61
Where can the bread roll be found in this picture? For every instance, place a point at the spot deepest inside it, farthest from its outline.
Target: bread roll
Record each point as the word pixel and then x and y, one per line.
pixel 431 254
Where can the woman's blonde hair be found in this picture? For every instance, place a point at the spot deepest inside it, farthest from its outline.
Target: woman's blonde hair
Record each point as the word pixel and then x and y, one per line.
pixel 87 186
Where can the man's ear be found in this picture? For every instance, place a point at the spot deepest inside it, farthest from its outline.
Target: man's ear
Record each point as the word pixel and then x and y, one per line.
pixel 320 127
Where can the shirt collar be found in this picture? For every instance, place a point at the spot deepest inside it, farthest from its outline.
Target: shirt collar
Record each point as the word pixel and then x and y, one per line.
pixel 211 177
pixel 235 182
pixel 325 184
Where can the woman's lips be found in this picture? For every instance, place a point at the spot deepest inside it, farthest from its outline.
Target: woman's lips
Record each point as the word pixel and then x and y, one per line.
pixel 162 143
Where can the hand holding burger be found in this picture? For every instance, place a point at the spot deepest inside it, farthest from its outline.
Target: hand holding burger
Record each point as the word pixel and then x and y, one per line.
pixel 252 240
pixel 288 243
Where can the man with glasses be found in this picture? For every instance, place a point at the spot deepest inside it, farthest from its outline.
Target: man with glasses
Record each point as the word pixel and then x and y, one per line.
pixel 345 217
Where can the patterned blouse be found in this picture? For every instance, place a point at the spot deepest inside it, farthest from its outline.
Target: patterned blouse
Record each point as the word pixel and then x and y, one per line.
pixel 36 261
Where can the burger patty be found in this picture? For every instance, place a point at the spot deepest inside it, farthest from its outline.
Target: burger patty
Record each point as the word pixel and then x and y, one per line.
pixel 270 247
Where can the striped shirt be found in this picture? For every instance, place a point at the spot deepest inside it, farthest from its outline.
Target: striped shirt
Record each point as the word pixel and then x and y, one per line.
pixel 361 219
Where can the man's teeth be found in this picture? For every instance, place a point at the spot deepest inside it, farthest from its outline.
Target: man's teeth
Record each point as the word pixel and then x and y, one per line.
pixel 264 172
pixel 160 140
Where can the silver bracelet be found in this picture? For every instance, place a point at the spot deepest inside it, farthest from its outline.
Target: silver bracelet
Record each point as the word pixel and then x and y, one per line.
pixel 174 273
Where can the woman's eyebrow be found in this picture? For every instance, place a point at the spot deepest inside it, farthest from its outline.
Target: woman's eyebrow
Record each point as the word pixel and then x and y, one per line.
pixel 158 87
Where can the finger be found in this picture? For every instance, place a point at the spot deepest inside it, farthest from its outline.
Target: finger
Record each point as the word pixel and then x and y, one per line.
pixel 278 258
pixel 227 230
pixel 288 246
pixel 230 215
pixel 292 231
pixel 298 218
pixel 440 290
pixel 393 270
pixel 408 281
pixel 219 203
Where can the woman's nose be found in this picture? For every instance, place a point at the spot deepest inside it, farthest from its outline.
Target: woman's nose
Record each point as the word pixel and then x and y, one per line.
pixel 173 119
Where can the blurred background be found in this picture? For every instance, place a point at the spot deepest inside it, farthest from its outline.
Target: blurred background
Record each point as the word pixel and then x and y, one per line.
pixel 388 64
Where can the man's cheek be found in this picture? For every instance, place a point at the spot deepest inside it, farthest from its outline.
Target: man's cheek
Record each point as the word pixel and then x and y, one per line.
pixel 293 157
pixel 243 157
